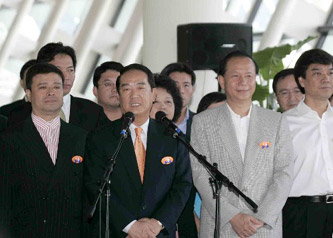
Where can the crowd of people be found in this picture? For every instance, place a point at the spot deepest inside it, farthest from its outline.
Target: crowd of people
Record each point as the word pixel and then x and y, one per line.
pixel 55 150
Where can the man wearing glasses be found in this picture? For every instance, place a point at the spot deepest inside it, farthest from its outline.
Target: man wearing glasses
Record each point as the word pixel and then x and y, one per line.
pixel 287 93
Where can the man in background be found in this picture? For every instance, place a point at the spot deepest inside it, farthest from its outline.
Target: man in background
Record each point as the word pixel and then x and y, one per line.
pixel 78 111
pixel 105 77
pixel 185 78
pixel 286 90
pixel 308 212
pixel 6 109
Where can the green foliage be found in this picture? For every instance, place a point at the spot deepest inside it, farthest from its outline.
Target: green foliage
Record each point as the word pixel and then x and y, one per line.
pixel 270 63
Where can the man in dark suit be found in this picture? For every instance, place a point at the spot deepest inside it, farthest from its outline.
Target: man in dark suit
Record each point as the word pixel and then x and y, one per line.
pixel 151 180
pixel 184 77
pixel 78 111
pixel 6 109
pixel 41 169
pixel 3 122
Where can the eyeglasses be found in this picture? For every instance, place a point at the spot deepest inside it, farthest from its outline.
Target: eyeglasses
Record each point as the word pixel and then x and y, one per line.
pixel 107 85
pixel 287 93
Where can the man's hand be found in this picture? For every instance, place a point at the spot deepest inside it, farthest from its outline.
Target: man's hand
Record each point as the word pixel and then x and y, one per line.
pixel 141 229
pixel 245 225
pixel 154 225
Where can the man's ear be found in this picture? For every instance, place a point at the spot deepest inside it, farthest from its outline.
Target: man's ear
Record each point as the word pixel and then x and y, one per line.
pixel 95 91
pixel 301 81
pixel 221 81
pixel 28 94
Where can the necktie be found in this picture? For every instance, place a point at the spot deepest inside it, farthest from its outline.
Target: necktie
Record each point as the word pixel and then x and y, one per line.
pixel 62 115
pixel 140 152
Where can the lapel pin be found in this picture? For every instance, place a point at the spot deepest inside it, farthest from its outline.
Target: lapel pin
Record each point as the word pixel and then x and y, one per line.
pixel 264 144
pixel 167 160
pixel 77 159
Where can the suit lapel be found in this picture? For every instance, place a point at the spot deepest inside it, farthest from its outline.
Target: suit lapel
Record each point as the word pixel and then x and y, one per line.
pixel 231 143
pixel 254 137
pixel 37 148
pixel 74 117
pixel 127 155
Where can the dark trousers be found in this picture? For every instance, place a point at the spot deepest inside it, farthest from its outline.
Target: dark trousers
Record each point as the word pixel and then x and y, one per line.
pixel 303 219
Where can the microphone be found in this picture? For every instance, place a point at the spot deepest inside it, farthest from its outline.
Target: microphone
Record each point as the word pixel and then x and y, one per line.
pixel 161 117
pixel 128 119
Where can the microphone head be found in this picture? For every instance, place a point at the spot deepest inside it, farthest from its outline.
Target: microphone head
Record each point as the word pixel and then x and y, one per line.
pixel 130 116
pixel 159 116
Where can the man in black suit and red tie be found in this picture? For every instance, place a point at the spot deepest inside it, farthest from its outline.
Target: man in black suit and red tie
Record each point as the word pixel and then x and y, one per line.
pixel 78 111
pixel 41 165
pixel 147 193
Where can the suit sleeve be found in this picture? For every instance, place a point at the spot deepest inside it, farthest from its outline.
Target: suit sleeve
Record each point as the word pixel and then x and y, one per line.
pixel 178 195
pixel 271 206
pixel 95 164
pixel 5 188
pixel 201 177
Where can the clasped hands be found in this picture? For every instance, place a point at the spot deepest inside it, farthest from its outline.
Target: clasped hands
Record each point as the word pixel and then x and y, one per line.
pixel 245 225
pixel 145 228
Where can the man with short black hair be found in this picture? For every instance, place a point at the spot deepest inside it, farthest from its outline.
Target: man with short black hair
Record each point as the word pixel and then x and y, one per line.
pixel 309 209
pixel 184 77
pixel 252 147
pixel 286 90
pixel 41 165
pixel 105 77
pixel 152 177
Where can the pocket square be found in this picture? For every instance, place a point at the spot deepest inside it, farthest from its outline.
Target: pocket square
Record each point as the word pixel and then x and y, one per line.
pixel 167 160
pixel 264 144
pixel 77 159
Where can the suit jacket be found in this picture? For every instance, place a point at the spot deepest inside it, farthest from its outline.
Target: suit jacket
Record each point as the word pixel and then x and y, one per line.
pixel 3 122
pixel 265 175
pixel 6 109
pixel 38 198
pixel 164 191
pixel 83 113
pixel 186 223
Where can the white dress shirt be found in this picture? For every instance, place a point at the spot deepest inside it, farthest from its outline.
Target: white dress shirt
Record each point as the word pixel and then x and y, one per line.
pixel 313 150
pixel 66 106
pixel 183 124
pixel 143 136
pixel 241 125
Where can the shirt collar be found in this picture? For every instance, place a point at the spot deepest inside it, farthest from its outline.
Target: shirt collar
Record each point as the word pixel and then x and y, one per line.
pixel 236 115
pixel 66 100
pixel 144 127
pixel 304 109
pixel 46 124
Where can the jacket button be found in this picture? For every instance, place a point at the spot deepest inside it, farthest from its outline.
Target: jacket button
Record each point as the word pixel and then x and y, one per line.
pixel 144 207
pixel 44 221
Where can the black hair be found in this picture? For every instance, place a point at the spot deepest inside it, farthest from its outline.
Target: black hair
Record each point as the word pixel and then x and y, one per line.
pixel 41 68
pixel 209 99
pixel 281 75
pixel 109 65
pixel 50 50
pixel 314 56
pixel 165 82
pixel 234 54
pixel 140 67
pixel 26 66
pixel 179 67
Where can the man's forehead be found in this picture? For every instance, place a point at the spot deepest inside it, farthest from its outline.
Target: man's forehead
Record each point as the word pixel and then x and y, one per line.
pixel 134 76
pixel 318 66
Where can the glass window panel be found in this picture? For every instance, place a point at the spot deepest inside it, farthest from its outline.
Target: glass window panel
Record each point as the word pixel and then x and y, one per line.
pixel 264 15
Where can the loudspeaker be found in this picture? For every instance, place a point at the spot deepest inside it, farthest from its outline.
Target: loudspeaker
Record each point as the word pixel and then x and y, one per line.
pixel 203 45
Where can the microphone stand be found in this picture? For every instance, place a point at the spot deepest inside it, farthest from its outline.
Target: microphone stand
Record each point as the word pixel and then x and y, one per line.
pixel 106 182
pixel 216 179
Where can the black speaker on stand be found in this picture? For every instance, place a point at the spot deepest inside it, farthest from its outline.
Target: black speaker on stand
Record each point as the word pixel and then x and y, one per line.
pixel 203 45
